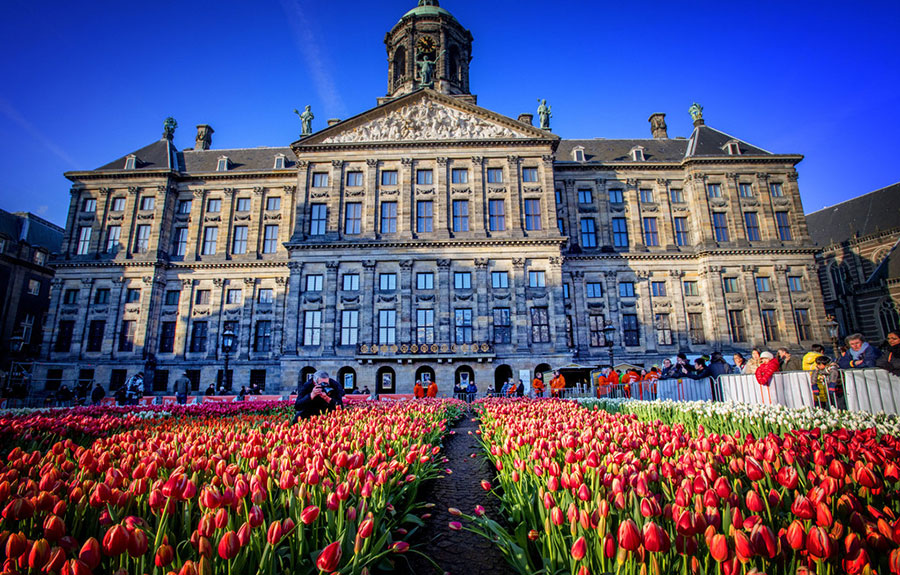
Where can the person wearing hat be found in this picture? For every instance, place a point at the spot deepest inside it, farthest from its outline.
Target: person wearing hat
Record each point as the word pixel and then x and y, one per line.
pixel 770 365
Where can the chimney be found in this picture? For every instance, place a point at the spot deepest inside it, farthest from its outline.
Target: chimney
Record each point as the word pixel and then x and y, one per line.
pixel 204 137
pixel 658 126
pixel 333 121
pixel 527 119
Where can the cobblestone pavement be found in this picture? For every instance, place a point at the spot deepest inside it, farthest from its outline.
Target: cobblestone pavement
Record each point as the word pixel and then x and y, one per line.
pixel 458 552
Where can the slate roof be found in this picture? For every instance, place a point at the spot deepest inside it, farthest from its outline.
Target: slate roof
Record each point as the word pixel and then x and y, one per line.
pixel 860 216
pixel 239 159
pixel 37 231
pixel 603 150
pixel 157 156
pixel 706 141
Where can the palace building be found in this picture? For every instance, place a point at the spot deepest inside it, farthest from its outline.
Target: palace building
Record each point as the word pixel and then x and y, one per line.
pixel 428 236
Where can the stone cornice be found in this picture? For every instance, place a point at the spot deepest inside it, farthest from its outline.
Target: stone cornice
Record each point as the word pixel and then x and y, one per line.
pixel 290 175
pixel 729 162
pixel 690 256
pixel 363 245
pixel 427 144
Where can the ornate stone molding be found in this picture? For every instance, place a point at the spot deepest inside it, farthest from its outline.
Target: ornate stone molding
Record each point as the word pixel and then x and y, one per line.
pixel 228 192
pixel 762 177
pixel 312 298
pixel 249 282
pixel 211 219
pixel 372 162
pixel 425 192
pixel 477 160
pixel 332 265
pixel 146 216
pixel 115 217
pixel 424 298
pixel 242 217
pixel 518 262
pixel 387 298
pixel 317 195
pixel 134 190
pixel 349 299
pixel 793 176
pixel 501 296
pixel 442 161
pixel 295 266
pixel 337 163
pixel 186 283
pixel 513 160
pixel 548 158
pixel 532 190
pixel 218 282
pixel 463 297
pixel 497 190
pixel 650 208
pixel 198 194
pixel 407 264
pixel 271 217
pixel 676 273
pixel 394 192
pixel 406 161
pixel 444 264
pixel 461 191
pixel 289 190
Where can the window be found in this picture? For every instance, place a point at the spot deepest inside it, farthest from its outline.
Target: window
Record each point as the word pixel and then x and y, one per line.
pixel 745 190
pixel 349 327
pixel 691 288
pixel 558 197
pixel 101 296
pixel 222 164
pixel 536 279
pixel 565 291
pixel 389 178
pixel 233 296
pixel 353 218
pixel 540 325
pixel 463 324
pixel 142 242
pixel 795 283
pixel 214 206
pixel 317 220
pixel 354 179
pixel 40 257
pixel 132 295
pixel 270 239
pixel 533 214
pixel 425 280
pixel 148 202
pixel 273 203
pixel 720 226
pixel 804 329
pixel 616 197
pixel 243 205
pixel 314 282
pixel 172 297
pixel 388 217
pixel 595 328
pixel 126 335
pixel 529 174
pixel 113 235
pixel 312 327
pixel 585 196
pixel 676 196
pixel 351 282
pixel 651 236
pixel 95 335
pixel 497 215
pixel 630 331
pixel 210 237
pixel 682 235
pixel 695 327
pixel 776 189
pixel 424 216
pixel 64 335
pixel 499 280
pixel 594 289
pixel 495 175
pixel 658 289
pixel 202 297
pixel 770 325
pixel 579 154
pixel 502 325
pixel 424 326
pixel 320 179
pixel 459 176
pixel 118 205
pixel 626 289
pixel 70 297
pixel 588 233
pixel 783 221
pixel 387 282
pixel 646 196
pixel 714 190
pixel 462 280
pixel 424 177
pixel 560 226
pixel 733 149
pixel 239 243
pixel 460 215
pixel 663 329
pixel 763 284
pixel 752 224
pixel 167 337
pixel 89 205
pixel 263 340
pixel 731 284
pixel 84 240
pixel 265 295
pixel 387 327
pixel 637 154
pixel 620 232
pixel 736 321
pixel 179 242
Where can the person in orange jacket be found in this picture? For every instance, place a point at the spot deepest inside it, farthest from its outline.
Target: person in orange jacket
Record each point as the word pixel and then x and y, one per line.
pixel 538 385
pixel 418 390
pixel 629 379
pixel 651 378
pixel 602 384
pixel 557 384
pixel 432 390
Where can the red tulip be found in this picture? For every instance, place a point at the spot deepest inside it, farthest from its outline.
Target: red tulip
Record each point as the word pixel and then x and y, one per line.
pixel 866 477
pixel 399 547
pixel 274 534
pixel 533 535
pixel 188 569
pixel 803 508
pixel 164 555
pixel 656 540
pixel 650 508
pixel 755 502
pixel 787 477
pixel 16 545
pixel 229 546
pixel 115 542
pixel 90 553
pixel 718 547
pixel 75 567
pixel 330 557
pixel 137 543
pixel 243 534
pixel 54 528
pixel 58 558
pixel 753 469
pixel 455 526
pixel 256 516
pixel 823 515
pixel 39 554
pixel 629 535
pixel 579 548
pixel 743 549
pixel 309 514
pixel 486 485
pixel 894 562
pixel 365 528
pixel 764 541
pixel 818 543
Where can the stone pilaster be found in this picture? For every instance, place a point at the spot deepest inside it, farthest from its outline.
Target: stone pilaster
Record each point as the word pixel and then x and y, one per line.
pixel 482 313
pixel 82 320
pixel 406 322
pixel 521 321
pixel 331 297
pixel 292 308
pixel 444 296
pixel 556 305
pixel 367 313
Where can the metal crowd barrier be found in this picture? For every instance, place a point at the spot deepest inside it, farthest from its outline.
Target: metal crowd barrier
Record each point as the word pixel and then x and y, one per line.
pixel 791 389
pixel 686 389
pixel 871 390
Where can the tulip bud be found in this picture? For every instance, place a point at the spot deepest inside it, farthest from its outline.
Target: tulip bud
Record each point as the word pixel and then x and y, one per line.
pixel 818 543
pixel 115 542
pixel 309 514
pixel 137 543
pixel 656 540
pixel 164 555
pixel 330 557
pixel 579 548
pixel 188 569
pixel 796 535
pixel 718 547
pixel 229 546
pixel 365 528
pixel 629 535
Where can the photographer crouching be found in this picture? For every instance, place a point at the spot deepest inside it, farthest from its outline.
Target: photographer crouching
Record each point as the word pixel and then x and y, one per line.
pixel 319 394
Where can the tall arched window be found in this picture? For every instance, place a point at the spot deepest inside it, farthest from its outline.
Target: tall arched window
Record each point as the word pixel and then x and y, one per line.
pixel 347 377
pixel 890 319
pixel 399 65
pixel 837 280
pixel 454 71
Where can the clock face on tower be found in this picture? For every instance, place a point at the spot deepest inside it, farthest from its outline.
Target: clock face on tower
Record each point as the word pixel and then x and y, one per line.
pixel 426 45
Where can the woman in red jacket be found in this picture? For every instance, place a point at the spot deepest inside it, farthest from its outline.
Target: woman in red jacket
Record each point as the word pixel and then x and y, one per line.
pixel 765 372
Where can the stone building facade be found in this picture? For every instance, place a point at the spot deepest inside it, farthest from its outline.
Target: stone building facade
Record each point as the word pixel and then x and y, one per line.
pixel 432 237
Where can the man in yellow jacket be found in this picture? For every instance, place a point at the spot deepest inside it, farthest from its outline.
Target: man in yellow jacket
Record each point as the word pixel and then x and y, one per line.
pixel 809 360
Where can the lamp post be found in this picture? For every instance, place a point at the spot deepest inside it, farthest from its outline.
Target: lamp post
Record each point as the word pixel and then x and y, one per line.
pixel 833 327
pixel 15 346
pixel 227 347
pixel 608 332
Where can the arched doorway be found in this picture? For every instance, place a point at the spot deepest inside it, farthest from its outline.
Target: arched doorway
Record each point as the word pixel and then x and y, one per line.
pixel 306 373
pixel 463 376
pixel 385 380
pixel 502 374
pixel 540 369
pixel 425 374
pixel 347 377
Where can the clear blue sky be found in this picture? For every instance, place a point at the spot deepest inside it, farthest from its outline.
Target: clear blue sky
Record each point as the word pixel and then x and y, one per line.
pixel 87 82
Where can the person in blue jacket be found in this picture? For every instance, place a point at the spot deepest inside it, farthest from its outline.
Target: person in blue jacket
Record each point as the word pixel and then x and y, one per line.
pixel 860 356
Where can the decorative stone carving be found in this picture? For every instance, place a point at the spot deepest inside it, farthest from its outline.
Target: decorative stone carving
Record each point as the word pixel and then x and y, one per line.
pixel 762 177
pixel 718 202
pixel 477 160
pixel 69 311
pixel 249 282
pixel 295 266
pixel 218 282
pixel 318 195
pixel 662 182
pixel 134 190
pixel 650 208
pixel 132 309
pixel 369 264
pixel 781 202
pixel 750 269
pixel 481 263
pixel 518 262
pixel 548 158
pixel 512 159
pixel 332 265
pixel 444 264
pixel 424 120
pixel 555 261
pixel 676 273
pixel 496 190
pixel 146 216
pixel 372 163
pixel 462 297
pixel 425 192
pixel 270 217
pixel 533 190
pixel 146 279
pixel 229 192
pixel 596 305
pixel 407 264
pixel 198 194
pixel 424 298
pixel 115 217
pixel 461 191
pixel 242 217
pixel 793 176
pixel 679 208
pixel 406 161
pixel 186 283
pixel 302 164
pixel 387 298
pixel 393 192
pixel 442 161
pixel 501 296
pixel 349 299
pixel 289 190
pixel 311 298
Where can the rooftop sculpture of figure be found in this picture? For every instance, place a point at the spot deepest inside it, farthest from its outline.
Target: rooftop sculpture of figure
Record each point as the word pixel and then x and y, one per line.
pixel 306 119
pixel 169 126
pixel 696 111
pixel 544 114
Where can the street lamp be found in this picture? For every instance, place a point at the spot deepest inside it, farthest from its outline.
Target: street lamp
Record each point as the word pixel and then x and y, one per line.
pixel 608 332
pixel 15 346
pixel 833 327
pixel 227 348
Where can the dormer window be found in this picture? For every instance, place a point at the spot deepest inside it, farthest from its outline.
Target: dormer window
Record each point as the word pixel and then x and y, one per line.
pixel 637 154
pixel 130 162
pixel 732 148
pixel 279 162
pixel 578 154
pixel 222 165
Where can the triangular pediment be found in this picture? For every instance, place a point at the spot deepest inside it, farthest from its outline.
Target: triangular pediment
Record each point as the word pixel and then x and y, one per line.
pixel 425 116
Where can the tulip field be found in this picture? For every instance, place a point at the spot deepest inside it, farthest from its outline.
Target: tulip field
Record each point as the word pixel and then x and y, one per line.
pixel 218 489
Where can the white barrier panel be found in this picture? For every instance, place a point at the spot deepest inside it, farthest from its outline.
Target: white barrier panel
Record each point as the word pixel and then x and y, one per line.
pixel 685 389
pixel 741 389
pixel 871 390
pixel 792 389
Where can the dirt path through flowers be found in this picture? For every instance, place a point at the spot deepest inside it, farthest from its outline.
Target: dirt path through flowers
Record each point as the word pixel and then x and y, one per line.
pixel 459 552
